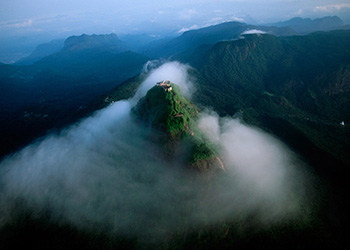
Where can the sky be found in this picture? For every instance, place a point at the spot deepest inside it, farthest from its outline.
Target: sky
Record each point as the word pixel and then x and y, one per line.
pixel 38 21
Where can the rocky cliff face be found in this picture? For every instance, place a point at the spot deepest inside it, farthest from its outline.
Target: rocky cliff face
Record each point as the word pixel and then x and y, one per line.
pixel 171 120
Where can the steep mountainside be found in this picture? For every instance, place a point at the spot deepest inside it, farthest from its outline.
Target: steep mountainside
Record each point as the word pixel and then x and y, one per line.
pixel 302 80
pixel 172 119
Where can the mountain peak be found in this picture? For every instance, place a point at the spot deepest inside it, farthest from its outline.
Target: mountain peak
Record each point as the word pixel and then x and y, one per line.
pixel 172 122
pixel 105 42
pixel 167 110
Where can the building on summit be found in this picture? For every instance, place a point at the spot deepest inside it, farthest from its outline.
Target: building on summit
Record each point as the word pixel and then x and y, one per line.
pixel 165 85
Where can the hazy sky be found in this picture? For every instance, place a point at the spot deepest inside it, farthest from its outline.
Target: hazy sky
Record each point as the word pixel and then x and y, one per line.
pixel 124 16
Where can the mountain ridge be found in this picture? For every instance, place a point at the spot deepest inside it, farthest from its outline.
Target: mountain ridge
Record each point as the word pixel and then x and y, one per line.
pixel 307 25
pixel 191 39
pixel 109 42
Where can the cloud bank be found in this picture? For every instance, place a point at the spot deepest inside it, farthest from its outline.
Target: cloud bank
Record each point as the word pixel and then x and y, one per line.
pixel 264 174
pixel 253 31
pixel 104 174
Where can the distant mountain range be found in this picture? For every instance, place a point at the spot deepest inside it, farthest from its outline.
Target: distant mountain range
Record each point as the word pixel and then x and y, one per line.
pixel 74 44
pixel 154 47
pixel 307 25
pixel 96 42
pixel 190 40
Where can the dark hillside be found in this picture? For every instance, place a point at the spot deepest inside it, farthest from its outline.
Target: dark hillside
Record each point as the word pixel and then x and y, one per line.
pixel 47 94
pixel 301 79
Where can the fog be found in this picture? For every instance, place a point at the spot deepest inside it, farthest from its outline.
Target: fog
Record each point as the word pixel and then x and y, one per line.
pixel 103 174
pixel 264 174
pixel 174 71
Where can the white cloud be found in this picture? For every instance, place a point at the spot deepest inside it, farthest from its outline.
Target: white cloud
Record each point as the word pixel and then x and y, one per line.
pixel 332 7
pixel 237 19
pixel 265 170
pixel 254 31
pixel 193 27
pixel 212 21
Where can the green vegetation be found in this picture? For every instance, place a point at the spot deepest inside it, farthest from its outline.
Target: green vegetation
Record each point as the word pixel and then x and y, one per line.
pixel 168 111
pixel 300 80
pixel 173 121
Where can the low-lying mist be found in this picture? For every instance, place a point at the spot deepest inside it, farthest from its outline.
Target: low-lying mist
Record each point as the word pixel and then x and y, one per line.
pixel 104 175
pixel 263 174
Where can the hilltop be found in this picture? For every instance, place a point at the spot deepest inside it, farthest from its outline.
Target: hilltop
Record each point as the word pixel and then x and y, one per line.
pixel 172 122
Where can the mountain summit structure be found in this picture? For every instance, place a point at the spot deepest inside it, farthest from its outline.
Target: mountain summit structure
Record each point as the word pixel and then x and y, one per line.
pixel 165 85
